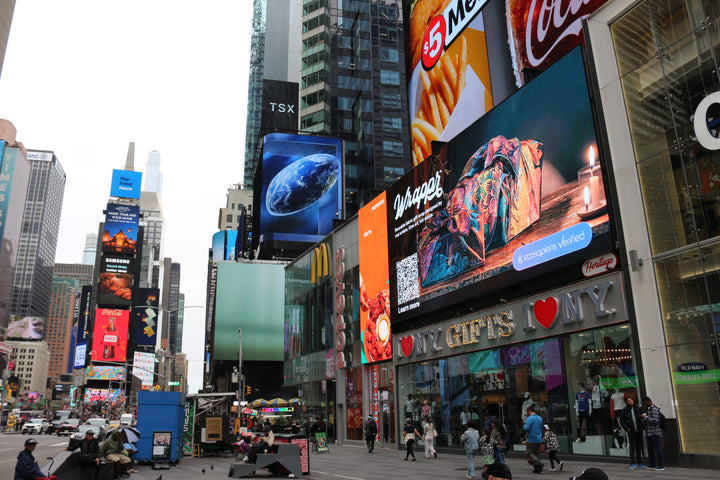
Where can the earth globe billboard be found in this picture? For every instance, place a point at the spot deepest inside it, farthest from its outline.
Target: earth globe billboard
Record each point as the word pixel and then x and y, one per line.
pixel 301 187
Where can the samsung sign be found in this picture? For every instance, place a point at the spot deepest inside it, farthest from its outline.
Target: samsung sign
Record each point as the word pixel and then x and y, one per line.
pixel 126 184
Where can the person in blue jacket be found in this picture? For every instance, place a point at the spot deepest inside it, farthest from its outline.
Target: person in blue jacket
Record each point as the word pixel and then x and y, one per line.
pixel 534 430
pixel 27 467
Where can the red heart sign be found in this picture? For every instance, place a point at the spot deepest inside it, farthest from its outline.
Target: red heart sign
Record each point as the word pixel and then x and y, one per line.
pixel 406 344
pixel 546 311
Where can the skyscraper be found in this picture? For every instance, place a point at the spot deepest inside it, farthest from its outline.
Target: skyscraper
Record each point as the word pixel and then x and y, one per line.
pixel 353 87
pixel 38 237
pixel 170 292
pixel 152 221
pixel 6 13
pixel 153 176
pixel 58 327
pixel 90 250
pixel 276 35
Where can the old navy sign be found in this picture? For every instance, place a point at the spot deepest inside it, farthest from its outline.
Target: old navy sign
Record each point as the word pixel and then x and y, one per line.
pixel 580 306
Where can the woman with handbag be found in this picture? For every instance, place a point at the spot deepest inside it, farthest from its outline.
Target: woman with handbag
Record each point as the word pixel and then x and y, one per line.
pixel 409 432
pixel 429 435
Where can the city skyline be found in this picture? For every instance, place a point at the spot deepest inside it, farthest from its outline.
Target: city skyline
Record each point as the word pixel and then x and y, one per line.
pixel 177 84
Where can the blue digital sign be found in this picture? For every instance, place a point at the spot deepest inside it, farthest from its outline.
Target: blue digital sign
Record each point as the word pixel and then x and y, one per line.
pixel 126 184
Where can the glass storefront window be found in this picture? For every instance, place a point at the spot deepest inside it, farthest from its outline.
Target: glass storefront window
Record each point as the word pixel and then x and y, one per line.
pixel 353 398
pixel 668 57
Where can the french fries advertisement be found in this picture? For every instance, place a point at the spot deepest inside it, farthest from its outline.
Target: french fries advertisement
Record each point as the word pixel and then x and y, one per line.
pixel 450 77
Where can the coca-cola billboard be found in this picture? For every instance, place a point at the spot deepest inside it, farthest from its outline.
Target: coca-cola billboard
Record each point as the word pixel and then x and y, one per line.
pixel 542 31
pixel 110 335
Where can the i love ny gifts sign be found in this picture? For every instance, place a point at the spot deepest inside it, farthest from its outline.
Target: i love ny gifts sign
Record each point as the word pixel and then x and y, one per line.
pixel 588 304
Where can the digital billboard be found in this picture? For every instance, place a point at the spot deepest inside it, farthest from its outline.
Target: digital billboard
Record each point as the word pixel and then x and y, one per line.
pixel 145 314
pixel 536 42
pixel 110 335
pixel 111 396
pixel 110 263
pixel 301 190
pixel 121 229
pixel 144 368
pixel 218 246
pixel 374 281
pixel 97 372
pixel 517 194
pixel 82 326
pixel 279 107
pixel 250 288
pixel 25 328
pixel 114 289
pixel 126 184
pixel 449 77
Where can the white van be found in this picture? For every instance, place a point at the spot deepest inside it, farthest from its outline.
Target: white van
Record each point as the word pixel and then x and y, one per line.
pixel 127 419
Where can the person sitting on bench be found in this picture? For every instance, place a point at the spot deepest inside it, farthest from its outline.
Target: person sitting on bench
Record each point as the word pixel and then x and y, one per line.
pixel 89 453
pixel 263 444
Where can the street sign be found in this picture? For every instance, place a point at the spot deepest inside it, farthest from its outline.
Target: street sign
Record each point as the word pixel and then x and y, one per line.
pixel 173 383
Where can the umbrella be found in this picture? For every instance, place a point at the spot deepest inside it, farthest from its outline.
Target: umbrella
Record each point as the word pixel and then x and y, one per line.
pixel 131 434
pixel 295 401
pixel 278 402
pixel 260 402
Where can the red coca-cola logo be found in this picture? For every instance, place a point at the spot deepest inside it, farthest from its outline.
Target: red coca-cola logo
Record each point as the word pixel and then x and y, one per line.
pixel 598 265
pixel 552 22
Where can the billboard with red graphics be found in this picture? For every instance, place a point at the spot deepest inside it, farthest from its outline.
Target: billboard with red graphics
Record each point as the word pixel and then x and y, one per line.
pixel 110 335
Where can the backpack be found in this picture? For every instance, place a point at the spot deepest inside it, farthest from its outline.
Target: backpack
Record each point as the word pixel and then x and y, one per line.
pixel 662 421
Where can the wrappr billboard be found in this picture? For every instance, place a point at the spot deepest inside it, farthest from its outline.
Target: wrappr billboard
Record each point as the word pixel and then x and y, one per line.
pixel 516 195
pixel 301 190
pixel 121 229
pixel 110 335
pixel 144 368
pixel 145 315
pixel 374 281
pixel 126 184
pixel 248 297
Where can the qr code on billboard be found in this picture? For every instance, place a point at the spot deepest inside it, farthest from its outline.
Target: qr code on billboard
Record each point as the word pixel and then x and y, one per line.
pixel 408 279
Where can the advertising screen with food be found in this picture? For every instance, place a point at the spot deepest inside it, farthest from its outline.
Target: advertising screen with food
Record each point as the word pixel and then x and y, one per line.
pixel 449 78
pixel 121 229
pixel 374 281
pixel 517 194
pixel 301 187
pixel 110 335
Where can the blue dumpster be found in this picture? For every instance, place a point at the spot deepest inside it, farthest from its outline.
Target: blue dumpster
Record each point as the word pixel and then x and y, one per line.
pixel 160 420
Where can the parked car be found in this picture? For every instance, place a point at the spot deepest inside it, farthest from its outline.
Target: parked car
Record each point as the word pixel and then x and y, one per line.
pixel 79 432
pixel 58 418
pixel 68 427
pixel 36 426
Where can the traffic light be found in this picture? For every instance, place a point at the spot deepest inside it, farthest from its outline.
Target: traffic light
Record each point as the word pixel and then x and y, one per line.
pixel 248 390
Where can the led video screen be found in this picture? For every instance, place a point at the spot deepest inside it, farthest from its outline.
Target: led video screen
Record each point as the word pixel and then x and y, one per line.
pixel 114 289
pixel 121 229
pixel 126 184
pixel 301 187
pixel 516 194
pixel 97 372
pixel 25 328
pixel 110 335
pixel 145 315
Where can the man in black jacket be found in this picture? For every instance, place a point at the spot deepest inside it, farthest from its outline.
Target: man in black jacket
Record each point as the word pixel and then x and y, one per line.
pixel 631 421
pixel 370 433
pixel 89 449
pixel 27 467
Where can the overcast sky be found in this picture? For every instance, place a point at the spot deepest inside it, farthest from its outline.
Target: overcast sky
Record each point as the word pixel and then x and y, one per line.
pixel 85 78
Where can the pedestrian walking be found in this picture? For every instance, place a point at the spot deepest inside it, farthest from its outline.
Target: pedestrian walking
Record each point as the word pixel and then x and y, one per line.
pixel 26 467
pixel 631 422
pixel 486 447
pixel 553 447
pixel 469 440
pixel 409 435
pixel 651 419
pixel 534 429
pixel 498 433
pixel 429 434
pixel 370 433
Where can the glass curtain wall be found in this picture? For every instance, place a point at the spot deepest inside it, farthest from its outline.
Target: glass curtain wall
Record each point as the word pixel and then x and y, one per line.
pixel 669 61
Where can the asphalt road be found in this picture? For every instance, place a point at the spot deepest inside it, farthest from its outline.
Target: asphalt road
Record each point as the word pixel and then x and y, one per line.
pixel 13 443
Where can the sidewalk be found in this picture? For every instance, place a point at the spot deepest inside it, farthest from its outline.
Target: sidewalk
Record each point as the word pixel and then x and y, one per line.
pixel 354 463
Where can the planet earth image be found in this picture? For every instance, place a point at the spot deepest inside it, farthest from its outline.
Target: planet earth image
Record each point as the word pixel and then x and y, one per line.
pixel 301 184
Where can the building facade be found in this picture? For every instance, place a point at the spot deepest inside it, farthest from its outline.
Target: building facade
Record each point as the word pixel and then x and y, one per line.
pixel 38 237
pixel 32 360
pixel 152 221
pixel 153 175
pixel 59 324
pixel 629 314
pixel 170 292
pixel 90 250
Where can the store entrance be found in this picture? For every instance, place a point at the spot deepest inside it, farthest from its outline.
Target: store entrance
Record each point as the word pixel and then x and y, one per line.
pixel 381 404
